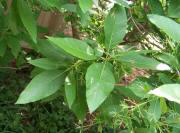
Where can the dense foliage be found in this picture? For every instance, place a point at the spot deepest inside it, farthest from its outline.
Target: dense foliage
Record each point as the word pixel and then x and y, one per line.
pixel 97 70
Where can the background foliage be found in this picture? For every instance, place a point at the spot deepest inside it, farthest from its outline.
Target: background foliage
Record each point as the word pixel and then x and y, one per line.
pixel 119 69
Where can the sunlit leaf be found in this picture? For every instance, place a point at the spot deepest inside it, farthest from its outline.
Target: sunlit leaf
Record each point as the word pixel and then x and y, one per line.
pixel 168 91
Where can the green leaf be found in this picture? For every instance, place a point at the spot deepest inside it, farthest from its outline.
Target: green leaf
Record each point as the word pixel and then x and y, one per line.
pixel 79 106
pixel 115 26
pixel 154 111
pixel 85 5
pixel 42 86
pixel 156 7
pixel 165 79
pixel 99 84
pixel 84 17
pixel 174 9
pixel 36 71
pixel 74 47
pixel 111 105
pixel 169 59
pixel 167 25
pixel 14 44
pixel 163 105
pixel 47 64
pixel 53 52
pixel 139 61
pixel 98 51
pixel 173 120
pixel 70 88
pixel 168 91
pixel 27 18
pixel 139 87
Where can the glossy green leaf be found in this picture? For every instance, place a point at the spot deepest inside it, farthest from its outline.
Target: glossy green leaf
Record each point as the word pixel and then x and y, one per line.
pixel 42 86
pixel 70 88
pixel 115 26
pixel 154 111
pixel 85 5
pixel 169 26
pixel 47 64
pixel 14 44
pixel 27 18
pixel 74 47
pixel 156 7
pixel 174 9
pixel 139 61
pixel 168 91
pixel 99 84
